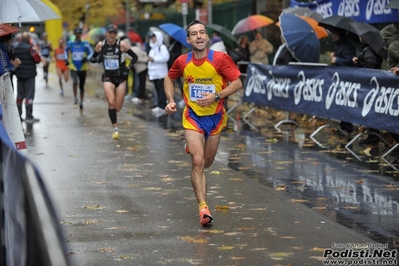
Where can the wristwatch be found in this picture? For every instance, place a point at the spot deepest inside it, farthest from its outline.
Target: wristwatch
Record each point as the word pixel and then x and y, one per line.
pixel 217 97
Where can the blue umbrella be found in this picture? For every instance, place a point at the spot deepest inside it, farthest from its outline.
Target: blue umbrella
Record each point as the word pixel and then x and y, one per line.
pixel 300 38
pixel 176 32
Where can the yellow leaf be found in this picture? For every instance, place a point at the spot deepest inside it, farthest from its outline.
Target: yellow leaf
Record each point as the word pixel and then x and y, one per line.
pixel 218 207
pixel 193 240
pixel 235 179
pixel 225 247
pixel 153 188
pixel 107 250
pixel 320 208
pixel 367 151
pixel 115 228
pixel 298 200
pixel 216 231
pixel 280 187
pixel 237 258
pixel 288 237
pixel 122 211
pixel 215 173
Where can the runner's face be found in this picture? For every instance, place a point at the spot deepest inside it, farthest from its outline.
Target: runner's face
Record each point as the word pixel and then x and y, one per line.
pixel 198 38
pixel 111 36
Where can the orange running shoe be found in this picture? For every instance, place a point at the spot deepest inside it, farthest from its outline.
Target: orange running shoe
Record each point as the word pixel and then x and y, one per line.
pixel 205 216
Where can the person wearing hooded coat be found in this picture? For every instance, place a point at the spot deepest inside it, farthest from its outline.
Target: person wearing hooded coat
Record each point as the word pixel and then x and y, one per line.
pixel 368 58
pixel 158 58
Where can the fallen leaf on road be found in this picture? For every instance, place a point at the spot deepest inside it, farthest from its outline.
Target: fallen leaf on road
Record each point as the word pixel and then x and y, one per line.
pixel 107 250
pixel 225 247
pixel 215 173
pixel 224 207
pixel 121 211
pixel 193 240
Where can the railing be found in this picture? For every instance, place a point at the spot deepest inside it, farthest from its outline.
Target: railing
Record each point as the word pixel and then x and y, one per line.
pixel 360 96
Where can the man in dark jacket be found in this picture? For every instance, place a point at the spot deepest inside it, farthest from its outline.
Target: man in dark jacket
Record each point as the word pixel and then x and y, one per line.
pixel 26 74
pixel 343 56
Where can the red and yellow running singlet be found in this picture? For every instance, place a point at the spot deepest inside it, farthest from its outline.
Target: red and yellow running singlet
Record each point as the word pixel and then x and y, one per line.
pixel 209 74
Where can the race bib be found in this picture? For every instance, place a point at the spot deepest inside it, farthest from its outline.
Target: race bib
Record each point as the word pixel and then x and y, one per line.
pixel 77 56
pixel 60 57
pixel 196 90
pixel 111 64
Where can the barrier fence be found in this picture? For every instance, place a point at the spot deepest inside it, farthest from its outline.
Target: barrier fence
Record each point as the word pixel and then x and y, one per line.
pixel 29 229
pixel 360 96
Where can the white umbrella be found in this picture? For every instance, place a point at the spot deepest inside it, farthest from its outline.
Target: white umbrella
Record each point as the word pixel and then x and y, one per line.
pixel 18 11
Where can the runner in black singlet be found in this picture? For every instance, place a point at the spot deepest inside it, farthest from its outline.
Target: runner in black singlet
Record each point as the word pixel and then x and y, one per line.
pixel 109 52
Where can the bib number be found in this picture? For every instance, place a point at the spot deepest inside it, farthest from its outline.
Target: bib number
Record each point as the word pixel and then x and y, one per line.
pixel 196 90
pixel 77 56
pixel 111 64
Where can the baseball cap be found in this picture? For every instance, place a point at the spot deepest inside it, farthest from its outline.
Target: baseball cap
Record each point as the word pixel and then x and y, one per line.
pixel 112 27
pixel 77 31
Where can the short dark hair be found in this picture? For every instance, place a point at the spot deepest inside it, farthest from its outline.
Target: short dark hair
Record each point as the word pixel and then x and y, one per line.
pixel 192 23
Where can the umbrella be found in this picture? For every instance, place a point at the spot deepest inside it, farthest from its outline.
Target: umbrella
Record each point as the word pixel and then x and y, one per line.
pixel 251 23
pixel 320 31
pixel 339 22
pixel 96 34
pixel 393 4
pixel 7 29
pixel 166 39
pixel 228 38
pixel 305 12
pixel 134 36
pixel 17 11
pixel 300 38
pixel 370 35
pixel 176 32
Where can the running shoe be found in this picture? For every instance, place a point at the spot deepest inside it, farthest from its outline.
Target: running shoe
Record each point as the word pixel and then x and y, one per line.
pixel 75 102
pixel 115 135
pixel 205 216
pixel 81 107
pixel 137 100
pixel 62 92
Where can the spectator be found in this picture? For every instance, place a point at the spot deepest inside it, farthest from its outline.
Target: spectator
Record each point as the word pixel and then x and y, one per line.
pixel 368 58
pixel 175 50
pixel 259 49
pixel 243 47
pixel 26 74
pixel 217 43
pixel 390 34
pixel 157 70
pixel 342 56
pixel 141 69
pixel 8 61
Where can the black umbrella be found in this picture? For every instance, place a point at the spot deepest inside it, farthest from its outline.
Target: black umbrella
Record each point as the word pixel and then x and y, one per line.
pixel 370 35
pixel 393 4
pixel 228 38
pixel 339 22
pixel 303 11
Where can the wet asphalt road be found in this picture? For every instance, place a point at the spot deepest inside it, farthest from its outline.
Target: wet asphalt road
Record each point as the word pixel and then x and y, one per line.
pixel 130 201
